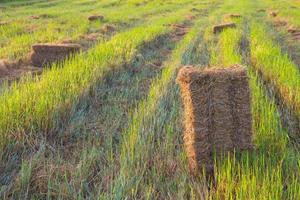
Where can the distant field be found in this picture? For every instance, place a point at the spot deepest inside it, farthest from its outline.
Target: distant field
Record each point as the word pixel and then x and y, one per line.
pixel 107 123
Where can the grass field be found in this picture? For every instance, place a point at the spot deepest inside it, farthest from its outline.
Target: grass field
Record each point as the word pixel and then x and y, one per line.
pixel 108 122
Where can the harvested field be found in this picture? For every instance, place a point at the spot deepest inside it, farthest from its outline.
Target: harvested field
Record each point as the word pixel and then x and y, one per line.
pixel 95 102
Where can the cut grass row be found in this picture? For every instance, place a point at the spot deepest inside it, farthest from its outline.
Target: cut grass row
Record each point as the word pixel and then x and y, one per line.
pixel 91 137
pixel 275 67
pixel 40 106
pixel 147 147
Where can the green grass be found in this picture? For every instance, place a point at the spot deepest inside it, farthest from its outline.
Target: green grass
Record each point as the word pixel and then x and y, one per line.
pixel 275 67
pixel 139 140
pixel 108 124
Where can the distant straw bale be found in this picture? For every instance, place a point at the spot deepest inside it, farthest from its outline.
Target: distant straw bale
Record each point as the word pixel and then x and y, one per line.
pixel 261 10
pixel 293 30
pixel 108 28
pixel 217 113
pixel 219 28
pixel 273 13
pixel 44 54
pixel 34 17
pixel 195 10
pixel 96 17
pixel 190 17
pixel 234 15
pixel 3 23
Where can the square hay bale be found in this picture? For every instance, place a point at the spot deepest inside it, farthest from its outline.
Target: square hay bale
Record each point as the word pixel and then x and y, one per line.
pixel 217 113
pixel 273 13
pixel 96 17
pixel 261 10
pixel 3 23
pixel 219 28
pixel 55 48
pixel 233 15
pixel 45 54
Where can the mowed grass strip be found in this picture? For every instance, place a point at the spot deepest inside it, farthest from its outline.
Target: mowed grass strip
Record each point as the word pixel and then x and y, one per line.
pixel 265 172
pixel 137 142
pixel 42 105
pixel 275 67
pixel 152 163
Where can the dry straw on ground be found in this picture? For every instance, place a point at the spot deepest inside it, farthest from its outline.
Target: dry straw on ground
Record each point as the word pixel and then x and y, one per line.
pixel 217 113
pixel 44 54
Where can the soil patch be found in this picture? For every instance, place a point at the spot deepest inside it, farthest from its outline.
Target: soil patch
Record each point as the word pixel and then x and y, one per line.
pixel 45 54
pixel 217 113
pixel 219 28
